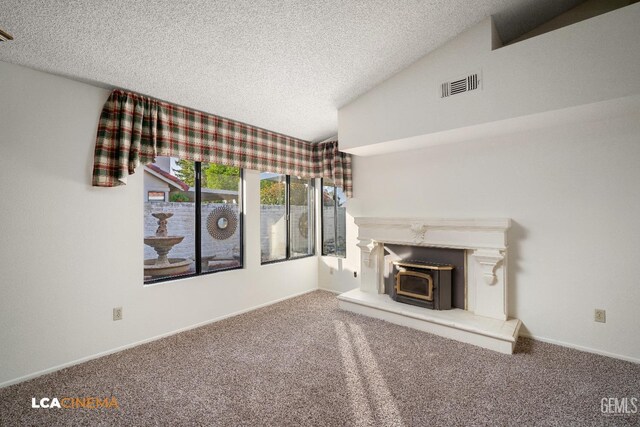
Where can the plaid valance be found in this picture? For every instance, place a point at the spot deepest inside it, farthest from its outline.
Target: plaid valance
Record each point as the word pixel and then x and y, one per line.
pixel 134 129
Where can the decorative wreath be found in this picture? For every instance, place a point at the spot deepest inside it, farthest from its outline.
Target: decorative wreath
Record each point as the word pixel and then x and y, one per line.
pixel 222 222
pixel 303 225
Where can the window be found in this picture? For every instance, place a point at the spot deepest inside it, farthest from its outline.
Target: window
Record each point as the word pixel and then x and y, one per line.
pixel 301 214
pixel 196 226
pixel 334 229
pixel 286 217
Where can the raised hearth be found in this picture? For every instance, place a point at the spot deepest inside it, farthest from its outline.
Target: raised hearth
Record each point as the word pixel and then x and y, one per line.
pixel 484 320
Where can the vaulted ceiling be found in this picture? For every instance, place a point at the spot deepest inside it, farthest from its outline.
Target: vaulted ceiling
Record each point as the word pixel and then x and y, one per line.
pixel 283 65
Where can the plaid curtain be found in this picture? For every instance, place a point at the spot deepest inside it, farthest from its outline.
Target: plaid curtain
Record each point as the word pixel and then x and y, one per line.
pixel 135 129
pixel 330 163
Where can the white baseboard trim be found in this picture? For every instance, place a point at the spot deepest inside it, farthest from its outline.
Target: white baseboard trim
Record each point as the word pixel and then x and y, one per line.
pixel 145 341
pixel 581 348
pixel 333 291
pixel 226 316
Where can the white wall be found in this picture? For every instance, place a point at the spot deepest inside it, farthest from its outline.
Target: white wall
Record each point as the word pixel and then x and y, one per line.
pixel 563 113
pixel 572 193
pixel 595 60
pixel 56 309
pixel 335 273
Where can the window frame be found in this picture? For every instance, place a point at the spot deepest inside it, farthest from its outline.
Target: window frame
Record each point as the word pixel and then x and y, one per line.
pixel 335 221
pixel 198 228
pixel 287 194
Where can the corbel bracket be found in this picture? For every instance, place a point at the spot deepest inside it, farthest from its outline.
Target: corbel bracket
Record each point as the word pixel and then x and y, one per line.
pixel 488 260
pixel 366 247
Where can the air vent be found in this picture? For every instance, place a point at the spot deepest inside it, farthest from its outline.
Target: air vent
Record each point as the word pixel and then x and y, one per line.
pixel 465 84
pixel 4 36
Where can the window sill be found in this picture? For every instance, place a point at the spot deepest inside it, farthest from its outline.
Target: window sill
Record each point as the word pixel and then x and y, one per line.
pixel 335 256
pixel 277 261
pixel 188 276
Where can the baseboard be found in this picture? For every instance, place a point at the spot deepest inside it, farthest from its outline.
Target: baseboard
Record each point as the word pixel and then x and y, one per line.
pixel 581 348
pixel 145 341
pixel 236 313
pixel 333 291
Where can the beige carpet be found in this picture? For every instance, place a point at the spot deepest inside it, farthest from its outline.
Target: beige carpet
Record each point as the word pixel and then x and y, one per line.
pixel 305 362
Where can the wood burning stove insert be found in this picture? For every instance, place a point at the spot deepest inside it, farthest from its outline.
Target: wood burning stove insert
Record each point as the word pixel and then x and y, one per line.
pixel 422 283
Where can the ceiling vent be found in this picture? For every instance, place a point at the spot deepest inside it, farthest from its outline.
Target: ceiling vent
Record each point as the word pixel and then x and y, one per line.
pixel 465 84
pixel 4 36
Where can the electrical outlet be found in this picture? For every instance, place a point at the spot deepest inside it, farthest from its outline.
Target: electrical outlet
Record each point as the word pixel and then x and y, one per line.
pixel 330 270
pixel 117 313
pixel 355 274
pixel 600 315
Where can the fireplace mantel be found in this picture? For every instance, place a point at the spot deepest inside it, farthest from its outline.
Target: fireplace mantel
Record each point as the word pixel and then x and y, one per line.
pixel 485 320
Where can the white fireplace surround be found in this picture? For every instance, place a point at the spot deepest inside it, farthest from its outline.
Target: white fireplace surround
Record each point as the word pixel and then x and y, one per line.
pixel 484 322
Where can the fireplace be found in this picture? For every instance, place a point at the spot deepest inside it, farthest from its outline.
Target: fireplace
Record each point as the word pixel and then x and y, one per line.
pixel 423 284
pixel 410 269
pixel 474 310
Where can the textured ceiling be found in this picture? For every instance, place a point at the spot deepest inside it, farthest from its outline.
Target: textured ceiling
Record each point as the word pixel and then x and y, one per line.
pixel 283 65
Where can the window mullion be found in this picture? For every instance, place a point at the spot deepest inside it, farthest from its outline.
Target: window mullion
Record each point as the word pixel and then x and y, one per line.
pixel 335 220
pixel 198 199
pixel 287 195
pixel 320 200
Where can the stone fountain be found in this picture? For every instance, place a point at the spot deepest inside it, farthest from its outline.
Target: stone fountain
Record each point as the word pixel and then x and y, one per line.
pixel 162 244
